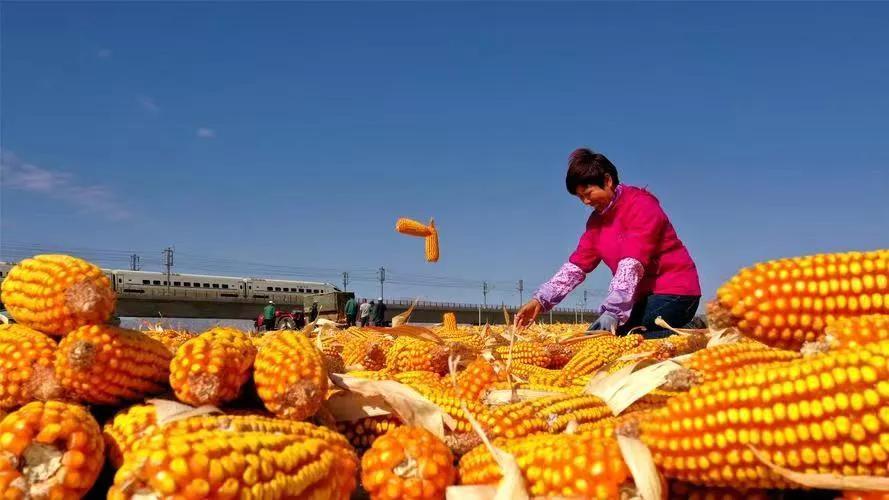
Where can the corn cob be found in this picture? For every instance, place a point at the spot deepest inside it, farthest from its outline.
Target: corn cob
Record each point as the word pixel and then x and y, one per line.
pixel 858 330
pixel 784 303
pixel 717 362
pixel 822 414
pixel 55 294
pixel 127 427
pixel 529 353
pixel 468 344
pixel 26 366
pixel 407 462
pixel 103 364
pixel 366 353
pixel 513 420
pixel 372 374
pixel 290 375
pixel 559 355
pixel 432 243
pixel 559 411
pixel 172 339
pixel 363 432
pixel 49 450
pixel 211 368
pixel 238 463
pixel 410 354
pixel 449 322
pixel 601 351
pixel 527 386
pixel 558 465
pixel 421 378
pixel 479 375
pixel 537 375
pixel 412 228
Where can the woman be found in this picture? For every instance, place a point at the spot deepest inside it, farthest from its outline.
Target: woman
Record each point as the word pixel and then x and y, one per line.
pixel 654 274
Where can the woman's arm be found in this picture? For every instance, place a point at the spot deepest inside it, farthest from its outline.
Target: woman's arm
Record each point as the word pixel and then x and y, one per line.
pixel 622 290
pixel 570 275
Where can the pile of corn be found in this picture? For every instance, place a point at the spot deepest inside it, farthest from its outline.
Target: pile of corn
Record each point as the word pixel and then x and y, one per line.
pixel 795 390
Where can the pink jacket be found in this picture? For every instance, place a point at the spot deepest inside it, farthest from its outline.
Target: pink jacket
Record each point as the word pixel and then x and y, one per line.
pixel 636 227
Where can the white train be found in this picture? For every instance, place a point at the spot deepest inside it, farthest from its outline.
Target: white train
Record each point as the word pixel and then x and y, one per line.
pixel 146 282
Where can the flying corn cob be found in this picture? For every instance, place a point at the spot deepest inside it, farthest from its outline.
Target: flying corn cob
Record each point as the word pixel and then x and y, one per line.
pixel 529 353
pixel 822 414
pixel 858 330
pixel 363 432
pixel 409 354
pixel 432 243
pixel 719 361
pixel 49 450
pixel 103 364
pixel 222 463
pixel 449 322
pixel 407 462
pixel 290 375
pixel 26 366
pixel 412 228
pixel 211 368
pixel 786 302
pixel 560 465
pixel 55 294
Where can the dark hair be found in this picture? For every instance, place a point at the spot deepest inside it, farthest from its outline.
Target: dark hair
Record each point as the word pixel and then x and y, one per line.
pixel 586 167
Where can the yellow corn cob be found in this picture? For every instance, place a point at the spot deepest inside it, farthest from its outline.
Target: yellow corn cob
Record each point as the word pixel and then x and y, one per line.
pixel 55 294
pixel 211 368
pixel 449 322
pixel 529 353
pixel 363 432
pixel 238 462
pixel 599 352
pixel 103 364
pixel 26 366
pixel 537 375
pixel 366 353
pixel 559 355
pixel 511 420
pixel 334 363
pixel 537 387
pixel 372 374
pixel 290 375
pixel 786 302
pixel 170 338
pixel 49 450
pixel 412 227
pixel 479 375
pixel 717 362
pixel 559 411
pixel 125 428
pixel 432 243
pixel 822 414
pixel 858 330
pixel 409 354
pixel 468 344
pixel 560 465
pixel 407 463
pixel 420 378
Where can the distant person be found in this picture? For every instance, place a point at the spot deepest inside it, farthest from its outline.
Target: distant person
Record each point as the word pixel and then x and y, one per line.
pixel 268 316
pixel 654 275
pixel 364 312
pixel 351 311
pixel 313 312
pixel 379 313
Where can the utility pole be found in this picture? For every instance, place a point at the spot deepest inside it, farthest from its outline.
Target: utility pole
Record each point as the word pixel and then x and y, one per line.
pixel 382 279
pixel 345 281
pixel 168 263
pixel 135 264
pixel 521 289
pixel 485 289
pixel 584 306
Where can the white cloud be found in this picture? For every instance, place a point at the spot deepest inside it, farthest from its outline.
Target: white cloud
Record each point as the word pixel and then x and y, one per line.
pixel 104 54
pixel 16 173
pixel 206 133
pixel 148 104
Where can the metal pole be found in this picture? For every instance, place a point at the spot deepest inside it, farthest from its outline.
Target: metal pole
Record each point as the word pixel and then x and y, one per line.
pixel 382 279
pixel 521 289
pixel 135 264
pixel 479 315
pixel 168 263
pixel 345 281
pixel 485 292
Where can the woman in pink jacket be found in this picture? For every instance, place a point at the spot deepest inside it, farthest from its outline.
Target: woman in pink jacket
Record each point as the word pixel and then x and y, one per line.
pixel 654 274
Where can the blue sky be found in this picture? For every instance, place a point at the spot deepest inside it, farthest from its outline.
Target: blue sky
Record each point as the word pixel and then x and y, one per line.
pixel 295 134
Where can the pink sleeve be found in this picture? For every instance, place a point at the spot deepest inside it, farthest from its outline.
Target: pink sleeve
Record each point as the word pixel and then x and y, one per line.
pixel 644 222
pixel 560 285
pixel 585 257
pixel 622 289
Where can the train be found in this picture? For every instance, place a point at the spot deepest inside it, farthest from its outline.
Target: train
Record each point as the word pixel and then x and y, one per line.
pixel 156 283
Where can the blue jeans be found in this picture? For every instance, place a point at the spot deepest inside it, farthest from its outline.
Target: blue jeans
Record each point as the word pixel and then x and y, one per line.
pixel 676 310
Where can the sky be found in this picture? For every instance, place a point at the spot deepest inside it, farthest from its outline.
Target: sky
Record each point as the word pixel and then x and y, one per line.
pixel 287 138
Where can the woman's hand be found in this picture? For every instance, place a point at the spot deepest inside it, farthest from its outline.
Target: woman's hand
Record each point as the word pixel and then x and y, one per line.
pixel 528 313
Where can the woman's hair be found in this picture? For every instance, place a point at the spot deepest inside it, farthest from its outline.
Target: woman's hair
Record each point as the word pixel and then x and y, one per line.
pixel 586 167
